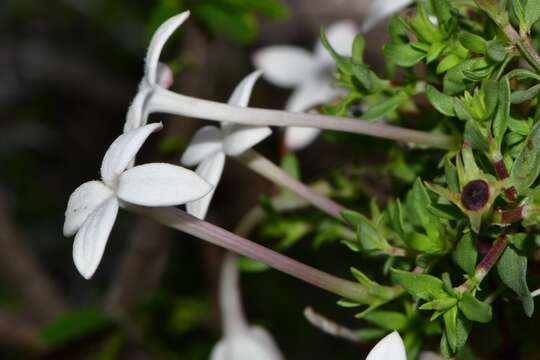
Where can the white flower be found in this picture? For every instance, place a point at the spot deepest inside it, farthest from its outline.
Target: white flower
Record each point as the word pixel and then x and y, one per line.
pixel 156 75
pixel 391 347
pixel 210 145
pixel 309 74
pixel 380 10
pixel 93 206
pixel 240 341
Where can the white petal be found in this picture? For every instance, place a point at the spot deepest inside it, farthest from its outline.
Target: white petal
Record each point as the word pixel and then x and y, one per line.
pixel 390 347
pixel 248 346
pixel 286 66
pixel 210 169
pixel 315 92
pixel 135 117
pixel 297 138
pixel 242 92
pixel 206 141
pixel 91 239
pixel 123 150
pixel 162 34
pixel 240 138
pixel 82 202
pixel 340 35
pixel 381 9
pixel 159 184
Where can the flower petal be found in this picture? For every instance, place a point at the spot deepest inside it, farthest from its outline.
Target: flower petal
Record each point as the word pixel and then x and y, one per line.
pixel 206 141
pixel 297 138
pixel 135 117
pixel 162 34
pixel 381 9
pixel 165 76
pixel 341 36
pixel 390 347
pixel 240 138
pixel 82 202
pixel 285 66
pixel 314 92
pixel 210 169
pixel 123 150
pixel 159 184
pixel 242 92
pixel 92 238
pixel 254 344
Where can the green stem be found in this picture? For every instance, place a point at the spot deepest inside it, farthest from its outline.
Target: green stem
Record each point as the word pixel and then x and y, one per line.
pixel 524 45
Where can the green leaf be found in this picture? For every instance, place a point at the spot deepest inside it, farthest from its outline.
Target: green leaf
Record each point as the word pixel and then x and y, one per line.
pixel 343 64
pixel 442 102
pixel 512 269
pixel 502 117
pixel 358 48
pixel 384 107
pixel 425 287
pixel 473 42
pixel 457 329
pixel 389 320
pixel 403 55
pixel 474 309
pixel 521 96
pixel 526 168
pixel 466 253
pixel 475 137
pixel 364 75
pixel 251 266
pixel 272 8
pixel 368 235
pixel 496 50
pixel 532 13
pixel 75 325
pixel 291 165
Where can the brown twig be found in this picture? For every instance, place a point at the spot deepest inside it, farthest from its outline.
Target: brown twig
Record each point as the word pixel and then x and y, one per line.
pixel 24 273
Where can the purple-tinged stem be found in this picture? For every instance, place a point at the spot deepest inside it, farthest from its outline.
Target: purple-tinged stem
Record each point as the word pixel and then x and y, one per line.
pixel 502 173
pixel 180 220
pixel 487 263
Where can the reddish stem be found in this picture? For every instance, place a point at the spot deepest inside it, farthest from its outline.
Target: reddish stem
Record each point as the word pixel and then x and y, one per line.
pixel 502 173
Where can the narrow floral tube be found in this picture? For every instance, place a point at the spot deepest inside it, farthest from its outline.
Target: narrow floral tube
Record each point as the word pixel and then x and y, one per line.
pixel 165 101
pixel 274 173
pixel 182 221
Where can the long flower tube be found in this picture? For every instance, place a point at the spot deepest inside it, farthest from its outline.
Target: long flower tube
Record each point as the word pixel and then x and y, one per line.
pixel 165 101
pixel 179 220
pixel 153 97
pixel 261 165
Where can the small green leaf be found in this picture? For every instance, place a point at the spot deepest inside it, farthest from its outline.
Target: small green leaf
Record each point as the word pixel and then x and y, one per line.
pixel 457 329
pixel 474 309
pixel 526 168
pixel 473 42
pixel 442 102
pixel 384 107
pixel 238 26
pixel 358 48
pixel 521 96
pixel 512 269
pixel 291 166
pixel 426 287
pixel 466 253
pixel 496 50
pixel 403 55
pixel 389 320
pixel 502 117
pixel 368 235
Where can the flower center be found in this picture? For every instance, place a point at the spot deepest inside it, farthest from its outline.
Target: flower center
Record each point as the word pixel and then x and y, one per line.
pixel 475 195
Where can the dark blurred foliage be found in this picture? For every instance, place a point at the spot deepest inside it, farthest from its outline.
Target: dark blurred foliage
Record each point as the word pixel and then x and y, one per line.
pixel 69 69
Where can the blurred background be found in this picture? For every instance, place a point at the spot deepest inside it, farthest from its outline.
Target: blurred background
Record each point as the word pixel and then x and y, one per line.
pixel 68 71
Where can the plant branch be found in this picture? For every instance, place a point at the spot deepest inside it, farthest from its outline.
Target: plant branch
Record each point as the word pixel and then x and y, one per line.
pixel 163 100
pixel 180 220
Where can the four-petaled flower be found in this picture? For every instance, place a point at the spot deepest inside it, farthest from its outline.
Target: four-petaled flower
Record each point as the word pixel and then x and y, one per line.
pixel 390 347
pixel 157 76
pixel 210 145
pixel 309 74
pixel 93 206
